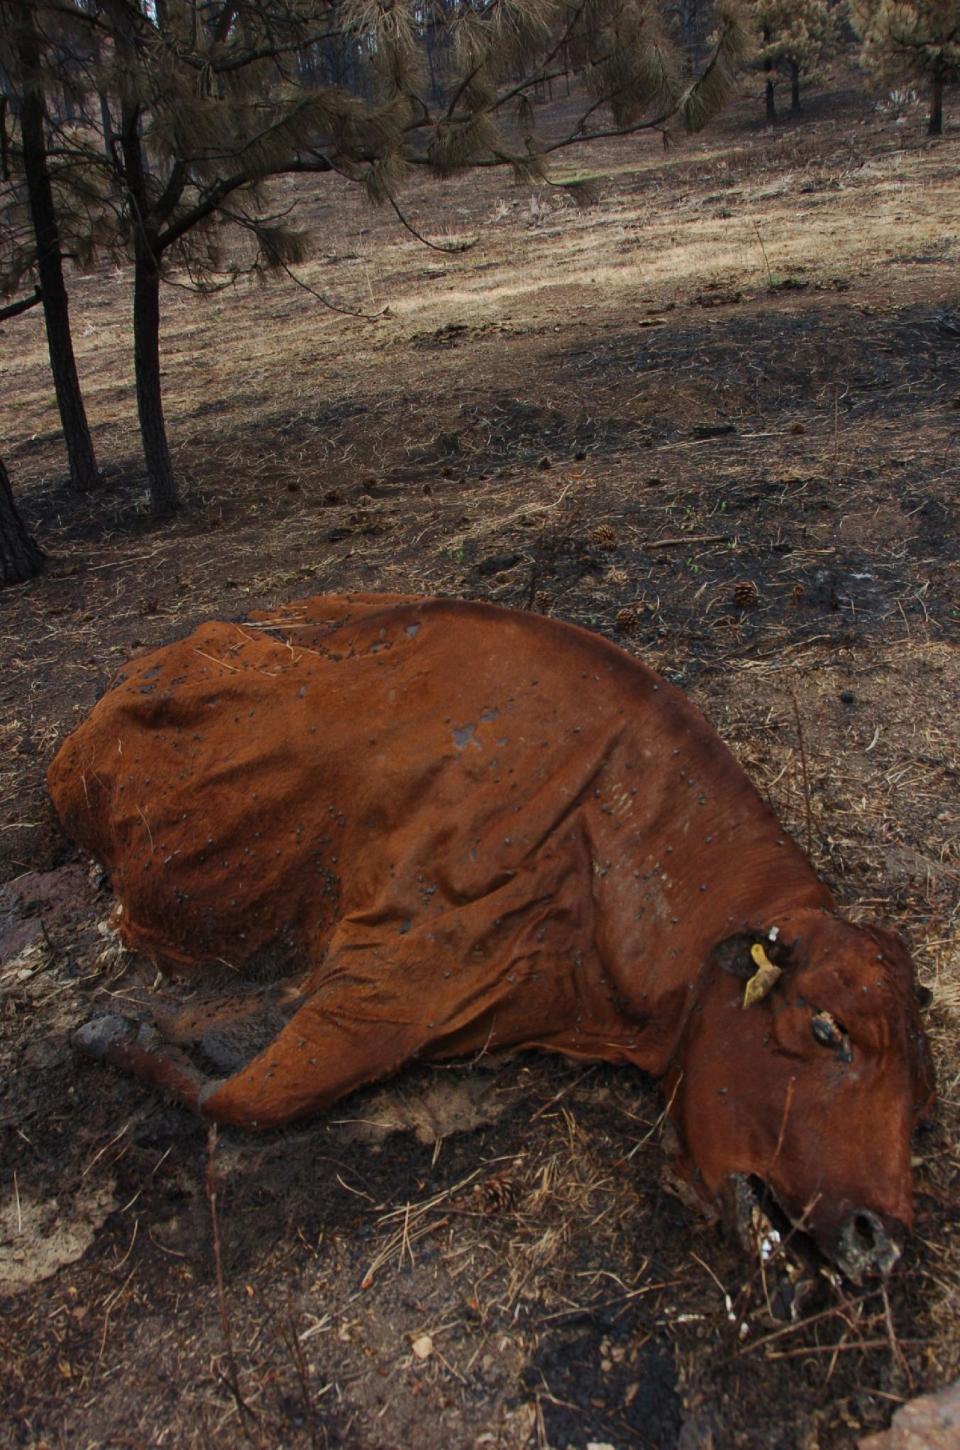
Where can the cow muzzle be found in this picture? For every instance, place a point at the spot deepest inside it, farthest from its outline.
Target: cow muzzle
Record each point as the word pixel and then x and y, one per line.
pixel 864 1246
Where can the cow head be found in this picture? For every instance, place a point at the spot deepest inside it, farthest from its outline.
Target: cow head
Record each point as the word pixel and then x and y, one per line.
pixel 805 1065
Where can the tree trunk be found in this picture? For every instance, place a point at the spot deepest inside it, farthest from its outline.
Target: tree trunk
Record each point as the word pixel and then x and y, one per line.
pixel 21 558
pixel 935 124
pixel 435 90
pixel 146 357
pixel 768 71
pixel 146 320
pixel 76 432
pixel 106 121
pixel 794 88
pixel 690 32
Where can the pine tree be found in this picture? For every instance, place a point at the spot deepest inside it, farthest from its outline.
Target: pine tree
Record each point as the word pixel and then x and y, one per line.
pixel 201 104
pixel 907 41
pixel 795 37
pixel 21 558
pixel 25 166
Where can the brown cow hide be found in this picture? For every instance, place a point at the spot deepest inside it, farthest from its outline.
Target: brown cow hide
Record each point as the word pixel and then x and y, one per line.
pixel 430 828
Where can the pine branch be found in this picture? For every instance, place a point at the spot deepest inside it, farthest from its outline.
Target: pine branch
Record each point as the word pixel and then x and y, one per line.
pixel 13 309
pixel 172 192
pixel 218 194
pixel 344 311
pixel 451 248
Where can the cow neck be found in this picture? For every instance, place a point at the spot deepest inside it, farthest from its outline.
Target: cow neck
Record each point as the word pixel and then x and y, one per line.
pixel 701 859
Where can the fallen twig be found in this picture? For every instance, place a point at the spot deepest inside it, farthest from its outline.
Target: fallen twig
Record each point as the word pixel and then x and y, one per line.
pixel 898 1354
pixel 804 772
pixel 862 1344
pixel 683 539
pixel 552 1102
pixel 233 1377
pixel 801 1324
pixel 294 1345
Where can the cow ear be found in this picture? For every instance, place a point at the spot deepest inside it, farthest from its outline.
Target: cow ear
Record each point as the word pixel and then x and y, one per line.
pixel 735 953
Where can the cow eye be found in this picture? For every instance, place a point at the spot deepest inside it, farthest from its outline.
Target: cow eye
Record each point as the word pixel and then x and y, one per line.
pixel 826 1031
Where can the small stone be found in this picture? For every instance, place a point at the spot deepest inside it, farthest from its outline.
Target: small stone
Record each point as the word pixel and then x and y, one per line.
pixel 930 1422
pixel 498 563
pixel 422 1346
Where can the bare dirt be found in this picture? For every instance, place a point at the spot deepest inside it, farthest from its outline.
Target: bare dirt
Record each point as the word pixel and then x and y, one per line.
pixel 714 415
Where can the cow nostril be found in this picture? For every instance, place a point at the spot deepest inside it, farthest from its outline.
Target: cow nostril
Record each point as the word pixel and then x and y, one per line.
pixel 865 1246
pixel 864 1232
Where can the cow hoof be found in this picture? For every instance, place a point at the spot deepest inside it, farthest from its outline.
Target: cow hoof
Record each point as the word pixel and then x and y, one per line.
pixel 98 1037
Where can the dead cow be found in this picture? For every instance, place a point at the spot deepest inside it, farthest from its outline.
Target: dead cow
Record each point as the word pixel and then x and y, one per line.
pixel 448 828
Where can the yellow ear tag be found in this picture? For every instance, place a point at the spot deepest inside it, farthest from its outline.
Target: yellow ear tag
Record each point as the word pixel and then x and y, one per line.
pixel 764 978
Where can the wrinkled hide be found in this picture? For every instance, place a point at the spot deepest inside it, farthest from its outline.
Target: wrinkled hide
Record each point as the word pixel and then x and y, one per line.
pixel 448 829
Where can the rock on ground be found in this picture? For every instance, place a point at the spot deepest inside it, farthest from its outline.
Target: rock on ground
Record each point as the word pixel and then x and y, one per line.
pixel 931 1422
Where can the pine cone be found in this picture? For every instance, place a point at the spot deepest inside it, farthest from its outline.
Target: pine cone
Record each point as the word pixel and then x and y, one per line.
pixel 746 594
pixel 498 1194
pixel 604 536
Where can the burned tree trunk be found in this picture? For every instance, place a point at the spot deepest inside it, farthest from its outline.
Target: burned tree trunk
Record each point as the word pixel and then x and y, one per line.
pixel 146 318
pixel 769 83
pixel 146 352
pixel 935 124
pixel 21 557
pixel 76 431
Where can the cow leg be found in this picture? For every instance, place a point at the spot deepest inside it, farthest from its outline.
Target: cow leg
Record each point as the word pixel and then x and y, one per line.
pixel 191 1022
pixel 377 1000
pixel 328 1048
pixel 229 1030
pixel 137 1048
pixel 333 1044
pixel 232 1030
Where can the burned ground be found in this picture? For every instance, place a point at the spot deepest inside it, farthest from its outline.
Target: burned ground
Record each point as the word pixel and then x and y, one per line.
pixel 715 416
